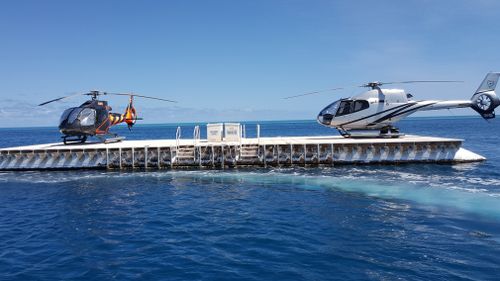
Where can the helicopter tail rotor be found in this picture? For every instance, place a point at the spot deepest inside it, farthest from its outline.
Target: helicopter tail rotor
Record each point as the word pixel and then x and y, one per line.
pixel 485 100
pixel 130 113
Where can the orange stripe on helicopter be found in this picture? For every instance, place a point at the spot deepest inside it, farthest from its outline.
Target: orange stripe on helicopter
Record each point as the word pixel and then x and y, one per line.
pixel 99 131
pixel 116 118
pixel 128 117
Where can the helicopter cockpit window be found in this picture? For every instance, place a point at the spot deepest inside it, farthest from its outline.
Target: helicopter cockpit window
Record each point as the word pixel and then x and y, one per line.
pixel 73 115
pixel 65 114
pixel 360 105
pixel 330 109
pixel 344 108
pixel 87 117
pixel 349 106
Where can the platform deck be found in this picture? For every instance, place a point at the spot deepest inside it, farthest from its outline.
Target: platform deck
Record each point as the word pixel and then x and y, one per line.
pixel 264 151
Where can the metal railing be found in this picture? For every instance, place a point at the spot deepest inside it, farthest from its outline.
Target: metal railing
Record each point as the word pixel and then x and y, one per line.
pixel 178 134
pixel 258 133
pixel 196 134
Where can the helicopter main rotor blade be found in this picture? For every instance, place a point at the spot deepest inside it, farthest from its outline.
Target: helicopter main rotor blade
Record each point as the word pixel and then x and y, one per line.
pixel 140 96
pixel 423 81
pixel 312 93
pixel 377 83
pixel 61 98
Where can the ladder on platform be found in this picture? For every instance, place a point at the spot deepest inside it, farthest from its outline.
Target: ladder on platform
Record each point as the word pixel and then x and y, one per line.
pixel 184 153
pixel 249 152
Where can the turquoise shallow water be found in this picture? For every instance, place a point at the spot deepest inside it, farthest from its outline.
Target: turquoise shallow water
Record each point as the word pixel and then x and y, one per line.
pixel 415 222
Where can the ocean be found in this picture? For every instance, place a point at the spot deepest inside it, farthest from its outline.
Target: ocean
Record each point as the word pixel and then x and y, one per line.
pixel 354 222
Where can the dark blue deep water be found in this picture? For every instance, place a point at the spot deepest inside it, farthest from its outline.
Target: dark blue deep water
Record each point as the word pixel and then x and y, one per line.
pixel 409 222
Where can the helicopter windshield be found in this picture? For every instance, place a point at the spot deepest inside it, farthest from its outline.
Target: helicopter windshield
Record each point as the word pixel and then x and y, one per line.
pixel 325 117
pixel 330 109
pixel 73 115
pixel 65 114
pixel 86 116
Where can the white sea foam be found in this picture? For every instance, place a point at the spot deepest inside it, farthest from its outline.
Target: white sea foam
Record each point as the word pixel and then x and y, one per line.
pixel 467 194
pixel 477 200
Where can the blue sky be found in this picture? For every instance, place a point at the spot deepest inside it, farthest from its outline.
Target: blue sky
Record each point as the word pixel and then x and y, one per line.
pixel 235 60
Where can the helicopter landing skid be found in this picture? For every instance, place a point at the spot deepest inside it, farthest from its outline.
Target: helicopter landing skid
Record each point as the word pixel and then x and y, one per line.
pixel 74 139
pixel 112 138
pixel 390 132
pixel 387 132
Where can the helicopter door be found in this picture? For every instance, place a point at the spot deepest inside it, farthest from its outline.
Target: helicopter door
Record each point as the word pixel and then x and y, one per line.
pixel 87 117
pixel 344 108
pixel 360 105
pixel 349 106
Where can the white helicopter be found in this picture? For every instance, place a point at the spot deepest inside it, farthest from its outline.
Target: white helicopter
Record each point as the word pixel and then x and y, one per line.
pixel 373 113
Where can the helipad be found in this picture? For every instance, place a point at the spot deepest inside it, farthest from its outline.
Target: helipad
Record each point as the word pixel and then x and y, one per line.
pixel 263 151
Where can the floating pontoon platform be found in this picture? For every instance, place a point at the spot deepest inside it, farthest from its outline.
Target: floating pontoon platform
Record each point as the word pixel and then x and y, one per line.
pixel 269 151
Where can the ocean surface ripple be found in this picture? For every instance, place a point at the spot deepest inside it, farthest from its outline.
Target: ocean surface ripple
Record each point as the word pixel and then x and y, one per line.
pixel 417 222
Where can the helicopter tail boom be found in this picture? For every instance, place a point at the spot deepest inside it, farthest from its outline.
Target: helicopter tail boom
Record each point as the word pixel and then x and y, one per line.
pixel 485 100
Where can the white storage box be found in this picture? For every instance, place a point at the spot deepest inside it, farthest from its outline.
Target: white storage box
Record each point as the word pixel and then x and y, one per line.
pixel 214 132
pixel 232 132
